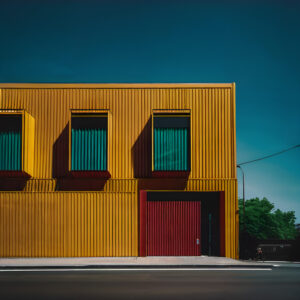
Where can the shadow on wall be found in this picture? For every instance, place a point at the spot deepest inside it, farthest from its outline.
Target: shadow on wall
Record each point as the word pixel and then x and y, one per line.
pixel 13 184
pixel 80 184
pixel 166 184
pixel 60 159
pixel 141 153
pixel 142 164
pixel 60 168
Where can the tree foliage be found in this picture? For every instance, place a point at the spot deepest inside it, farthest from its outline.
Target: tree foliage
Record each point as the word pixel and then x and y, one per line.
pixel 264 222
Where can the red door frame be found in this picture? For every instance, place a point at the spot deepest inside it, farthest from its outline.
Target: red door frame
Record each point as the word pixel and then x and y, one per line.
pixel 143 223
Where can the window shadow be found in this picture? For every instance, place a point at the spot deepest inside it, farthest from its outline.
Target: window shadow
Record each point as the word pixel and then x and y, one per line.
pixel 80 184
pixel 13 184
pixel 142 165
pixel 60 169
pixel 164 184
pixel 141 153
pixel 60 159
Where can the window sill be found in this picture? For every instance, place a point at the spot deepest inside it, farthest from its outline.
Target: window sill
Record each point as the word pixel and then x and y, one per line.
pixel 89 174
pixel 14 174
pixel 170 174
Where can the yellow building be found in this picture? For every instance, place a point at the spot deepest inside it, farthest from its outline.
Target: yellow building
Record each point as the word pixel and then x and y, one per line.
pixel 118 170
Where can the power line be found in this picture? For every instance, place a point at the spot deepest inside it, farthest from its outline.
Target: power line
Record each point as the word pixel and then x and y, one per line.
pixel 268 156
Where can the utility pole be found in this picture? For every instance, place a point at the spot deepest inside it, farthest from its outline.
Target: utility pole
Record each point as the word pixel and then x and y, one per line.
pixel 255 160
pixel 252 161
pixel 243 194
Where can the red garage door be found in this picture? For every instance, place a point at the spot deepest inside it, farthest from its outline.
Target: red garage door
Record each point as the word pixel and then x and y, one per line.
pixel 173 228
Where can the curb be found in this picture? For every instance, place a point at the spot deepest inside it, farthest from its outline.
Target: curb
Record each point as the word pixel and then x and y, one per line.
pixel 43 267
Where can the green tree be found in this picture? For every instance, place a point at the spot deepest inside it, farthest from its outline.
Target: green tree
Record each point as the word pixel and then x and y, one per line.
pixel 261 221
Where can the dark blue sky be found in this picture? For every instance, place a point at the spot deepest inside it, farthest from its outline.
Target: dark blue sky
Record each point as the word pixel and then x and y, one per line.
pixel 253 43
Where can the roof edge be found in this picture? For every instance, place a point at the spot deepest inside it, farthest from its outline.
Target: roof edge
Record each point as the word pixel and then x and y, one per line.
pixel 112 85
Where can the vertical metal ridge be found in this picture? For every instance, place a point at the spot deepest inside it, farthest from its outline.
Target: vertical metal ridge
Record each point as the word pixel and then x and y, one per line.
pixel 63 224
pixel 212 132
pixel 172 228
pixel 114 209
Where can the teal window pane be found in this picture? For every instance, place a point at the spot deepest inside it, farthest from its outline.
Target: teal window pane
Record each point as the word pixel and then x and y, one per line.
pixel 89 146
pixel 10 143
pixel 171 148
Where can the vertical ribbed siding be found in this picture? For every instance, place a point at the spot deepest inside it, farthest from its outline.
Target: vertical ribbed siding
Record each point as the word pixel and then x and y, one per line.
pixel 68 224
pixel 10 150
pixel 89 149
pixel 170 149
pixel 212 136
pixel 28 143
pixel 212 132
pixel 173 228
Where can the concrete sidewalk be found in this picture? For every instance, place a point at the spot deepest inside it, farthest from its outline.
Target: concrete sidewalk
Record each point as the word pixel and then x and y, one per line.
pixel 130 262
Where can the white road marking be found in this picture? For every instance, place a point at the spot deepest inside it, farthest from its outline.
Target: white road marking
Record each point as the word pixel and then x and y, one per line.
pixel 136 269
pixel 281 261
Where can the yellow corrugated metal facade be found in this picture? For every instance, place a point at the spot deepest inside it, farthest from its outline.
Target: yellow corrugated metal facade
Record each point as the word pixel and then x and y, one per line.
pixel 47 215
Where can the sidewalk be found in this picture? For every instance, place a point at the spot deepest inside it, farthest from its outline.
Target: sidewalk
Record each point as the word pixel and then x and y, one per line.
pixel 129 262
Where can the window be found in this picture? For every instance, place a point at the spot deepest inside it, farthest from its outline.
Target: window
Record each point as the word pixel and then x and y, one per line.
pixel 11 142
pixel 16 143
pixel 171 138
pixel 89 142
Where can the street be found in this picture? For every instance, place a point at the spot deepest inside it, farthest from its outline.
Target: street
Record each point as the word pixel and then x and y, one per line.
pixel 278 283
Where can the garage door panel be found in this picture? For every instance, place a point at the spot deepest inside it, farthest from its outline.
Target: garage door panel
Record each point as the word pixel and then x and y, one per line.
pixel 173 228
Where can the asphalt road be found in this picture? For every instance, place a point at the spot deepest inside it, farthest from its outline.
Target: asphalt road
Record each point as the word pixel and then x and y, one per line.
pixel 279 283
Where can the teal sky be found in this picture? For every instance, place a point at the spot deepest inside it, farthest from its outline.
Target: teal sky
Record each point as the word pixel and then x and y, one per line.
pixel 253 43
